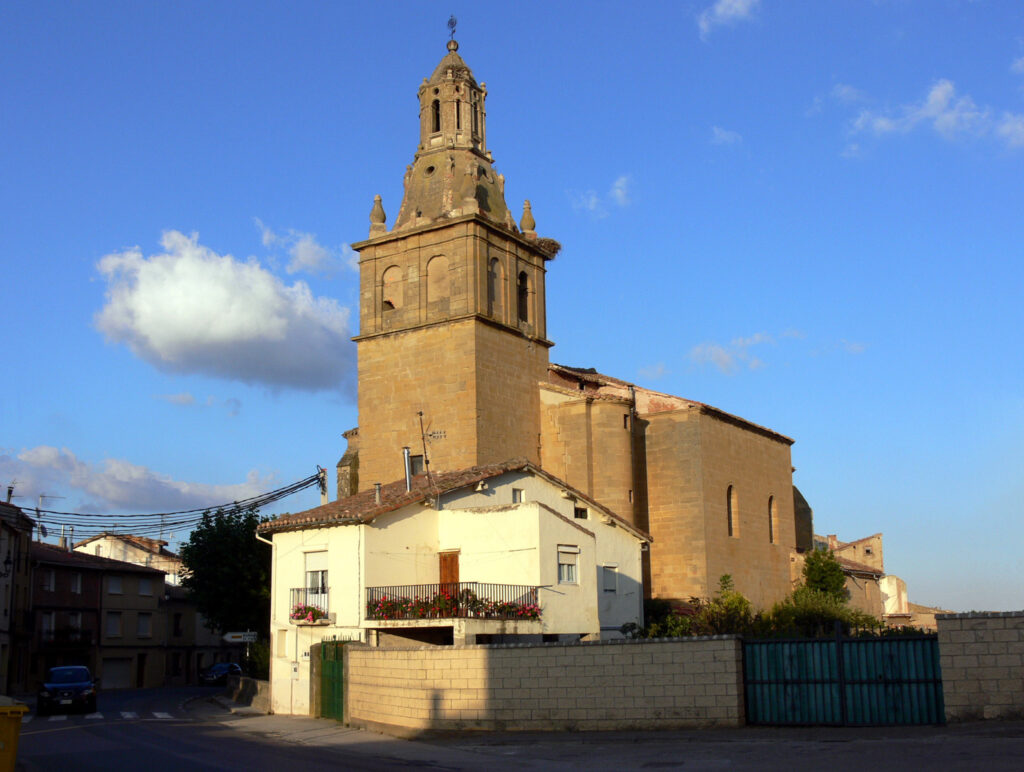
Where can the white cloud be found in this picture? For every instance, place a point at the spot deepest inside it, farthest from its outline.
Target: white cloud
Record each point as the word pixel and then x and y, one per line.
pixel 714 354
pixel 725 12
pixel 305 253
pixel 596 205
pixel 847 94
pixel 117 484
pixel 950 115
pixel 620 190
pixel 1018 66
pixel 1010 129
pixel 852 347
pixel 184 398
pixel 720 136
pixel 191 310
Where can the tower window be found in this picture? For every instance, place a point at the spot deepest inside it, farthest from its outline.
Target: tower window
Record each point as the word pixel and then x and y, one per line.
pixel 523 294
pixel 771 519
pixel 435 109
pixel 458 115
pixel 391 288
pixel 476 118
pixel 494 305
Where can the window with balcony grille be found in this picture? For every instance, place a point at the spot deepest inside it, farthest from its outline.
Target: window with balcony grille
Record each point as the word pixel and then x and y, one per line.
pixel 568 558
pixel 316 580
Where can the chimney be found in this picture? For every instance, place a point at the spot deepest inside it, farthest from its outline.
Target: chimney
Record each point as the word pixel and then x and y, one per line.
pixel 408 469
pixel 376 493
pixel 10 493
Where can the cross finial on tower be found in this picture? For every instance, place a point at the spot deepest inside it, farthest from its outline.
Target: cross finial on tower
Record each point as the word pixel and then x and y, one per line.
pixel 452 21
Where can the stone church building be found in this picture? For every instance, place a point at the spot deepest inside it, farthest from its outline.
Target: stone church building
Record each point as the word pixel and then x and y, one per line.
pixel 453 364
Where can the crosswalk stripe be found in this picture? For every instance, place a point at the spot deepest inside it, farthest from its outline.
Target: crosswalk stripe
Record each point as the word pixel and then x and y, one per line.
pixel 27 717
pixel 59 717
pixel 161 715
pixel 94 715
pixel 129 714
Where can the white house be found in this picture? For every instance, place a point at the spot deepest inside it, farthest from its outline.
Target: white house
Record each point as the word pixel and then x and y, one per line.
pixel 495 553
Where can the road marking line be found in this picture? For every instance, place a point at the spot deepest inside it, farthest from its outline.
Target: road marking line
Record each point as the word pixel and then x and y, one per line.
pixel 59 717
pixel 129 714
pixel 26 718
pixel 161 715
pixel 94 715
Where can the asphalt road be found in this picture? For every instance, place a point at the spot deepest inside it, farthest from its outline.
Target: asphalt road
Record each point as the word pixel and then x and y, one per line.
pixel 186 729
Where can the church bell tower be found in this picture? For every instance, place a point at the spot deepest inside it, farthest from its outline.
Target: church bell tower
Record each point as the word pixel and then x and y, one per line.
pixel 452 306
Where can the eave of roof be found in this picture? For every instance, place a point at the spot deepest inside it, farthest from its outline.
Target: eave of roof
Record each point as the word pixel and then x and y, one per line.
pixel 48 554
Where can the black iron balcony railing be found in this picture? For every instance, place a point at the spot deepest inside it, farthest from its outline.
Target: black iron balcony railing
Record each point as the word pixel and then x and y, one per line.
pixel 447 601
pixel 309 604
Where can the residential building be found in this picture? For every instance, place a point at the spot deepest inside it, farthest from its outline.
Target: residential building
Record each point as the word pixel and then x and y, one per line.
pixel 15 630
pixel 495 553
pixel 140 550
pixel 98 612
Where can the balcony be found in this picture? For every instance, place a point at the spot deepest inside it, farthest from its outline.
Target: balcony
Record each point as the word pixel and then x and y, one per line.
pixel 67 638
pixel 309 606
pixel 465 600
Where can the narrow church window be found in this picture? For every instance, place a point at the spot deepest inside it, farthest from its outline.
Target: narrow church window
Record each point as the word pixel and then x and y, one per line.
pixel 476 119
pixel 391 288
pixel 771 519
pixel 458 114
pixel 625 420
pixel 523 292
pixel 436 113
pixel 494 288
pixel 731 511
pixel 438 280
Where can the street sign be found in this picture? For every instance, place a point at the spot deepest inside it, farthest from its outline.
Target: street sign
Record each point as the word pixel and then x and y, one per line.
pixel 248 637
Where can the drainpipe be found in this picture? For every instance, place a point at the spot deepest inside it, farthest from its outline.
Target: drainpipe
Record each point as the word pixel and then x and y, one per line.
pixel 408 469
pixel 376 493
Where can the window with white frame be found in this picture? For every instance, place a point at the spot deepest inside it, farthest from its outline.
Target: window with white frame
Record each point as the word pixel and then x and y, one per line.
pixel 610 578
pixel 144 626
pixel 517 495
pixel 113 627
pixel 568 558
pixel 316 580
pixel 49 580
pixel 75 620
pixel 114 585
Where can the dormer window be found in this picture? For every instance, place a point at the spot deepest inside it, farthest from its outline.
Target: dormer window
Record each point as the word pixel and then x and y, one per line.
pixel 435 110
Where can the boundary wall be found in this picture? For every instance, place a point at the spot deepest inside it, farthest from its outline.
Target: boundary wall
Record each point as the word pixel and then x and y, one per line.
pixel 597 685
pixel 982 659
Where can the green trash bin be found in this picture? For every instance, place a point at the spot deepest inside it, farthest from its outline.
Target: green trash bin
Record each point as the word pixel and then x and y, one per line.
pixel 11 712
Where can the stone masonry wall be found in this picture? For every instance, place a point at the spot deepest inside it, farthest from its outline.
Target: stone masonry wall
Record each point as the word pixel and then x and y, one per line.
pixel 586 686
pixel 982 659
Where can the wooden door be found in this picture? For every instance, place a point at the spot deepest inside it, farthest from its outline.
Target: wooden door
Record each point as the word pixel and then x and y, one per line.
pixel 448 567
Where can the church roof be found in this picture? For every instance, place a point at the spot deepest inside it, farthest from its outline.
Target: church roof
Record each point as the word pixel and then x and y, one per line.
pixel 454 63
pixel 363 507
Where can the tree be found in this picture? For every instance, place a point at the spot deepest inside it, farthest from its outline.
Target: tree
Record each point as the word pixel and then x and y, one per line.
pixel 823 573
pixel 227 571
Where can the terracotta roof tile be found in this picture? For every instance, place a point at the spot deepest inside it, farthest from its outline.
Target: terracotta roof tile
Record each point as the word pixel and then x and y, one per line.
pixel 54 555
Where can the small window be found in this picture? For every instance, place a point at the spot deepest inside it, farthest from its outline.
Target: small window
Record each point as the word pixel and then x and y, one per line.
pixel 517 495
pixel 458 115
pixel 145 625
pixel 730 504
pixel 567 564
pixel 435 109
pixel 145 586
pixel 523 295
pixel 416 465
pixel 49 580
pixel 772 516
pixel 47 625
pixel 867 550
pixel 114 585
pixel 76 584
pixel 630 495
pixel 113 624
pixel 177 625
pixel 580 513
pixel 625 420
pixel 610 578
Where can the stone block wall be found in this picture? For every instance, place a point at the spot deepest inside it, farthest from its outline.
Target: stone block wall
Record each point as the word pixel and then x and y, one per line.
pixel 982 659
pixel 547 687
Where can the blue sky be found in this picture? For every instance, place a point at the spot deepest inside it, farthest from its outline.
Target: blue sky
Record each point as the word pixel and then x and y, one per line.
pixel 805 213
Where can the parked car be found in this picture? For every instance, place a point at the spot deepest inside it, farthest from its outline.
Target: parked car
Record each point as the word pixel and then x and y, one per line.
pixel 218 672
pixel 67 688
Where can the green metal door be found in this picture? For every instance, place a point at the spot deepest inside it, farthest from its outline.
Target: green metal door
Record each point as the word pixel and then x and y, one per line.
pixel 332 679
pixel 843 681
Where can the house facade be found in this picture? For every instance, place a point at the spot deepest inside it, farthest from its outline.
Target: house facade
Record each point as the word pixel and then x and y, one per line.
pixel 140 550
pixel 15 621
pixel 98 612
pixel 495 553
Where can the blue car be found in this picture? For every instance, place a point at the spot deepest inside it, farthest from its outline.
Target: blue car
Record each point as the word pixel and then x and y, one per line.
pixel 67 688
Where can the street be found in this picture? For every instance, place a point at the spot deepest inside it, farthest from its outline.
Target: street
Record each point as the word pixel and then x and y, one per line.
pixel 174 729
